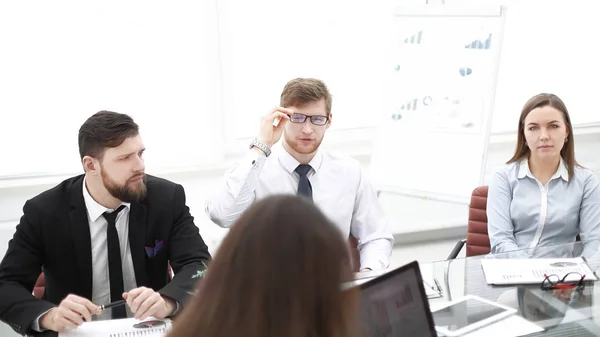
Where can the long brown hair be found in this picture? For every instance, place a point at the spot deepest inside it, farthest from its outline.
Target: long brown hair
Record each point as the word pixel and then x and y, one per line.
pixel 568 150
pixel 277 273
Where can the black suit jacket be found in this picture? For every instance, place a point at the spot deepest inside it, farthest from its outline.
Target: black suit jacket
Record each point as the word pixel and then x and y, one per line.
pixel 54 234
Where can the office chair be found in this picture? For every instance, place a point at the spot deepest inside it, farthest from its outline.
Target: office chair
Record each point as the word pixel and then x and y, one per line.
pixel 477 241
pixel 40 284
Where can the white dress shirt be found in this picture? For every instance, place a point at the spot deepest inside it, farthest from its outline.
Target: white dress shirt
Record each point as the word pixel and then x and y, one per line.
pixel 100 277
pixel 340 188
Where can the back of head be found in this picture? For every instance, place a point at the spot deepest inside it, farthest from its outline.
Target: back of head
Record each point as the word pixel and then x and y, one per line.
pixel 277 273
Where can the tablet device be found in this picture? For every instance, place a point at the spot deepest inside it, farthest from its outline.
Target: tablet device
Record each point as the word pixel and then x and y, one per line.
pixel 467 314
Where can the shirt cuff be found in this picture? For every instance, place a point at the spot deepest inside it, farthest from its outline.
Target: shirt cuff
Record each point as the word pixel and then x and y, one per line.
pixel 35 325
pixel 177 307
pixel 373 265
pixel 255 158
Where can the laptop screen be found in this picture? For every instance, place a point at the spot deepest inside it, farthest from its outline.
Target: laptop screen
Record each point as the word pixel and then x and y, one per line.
pixel 395 305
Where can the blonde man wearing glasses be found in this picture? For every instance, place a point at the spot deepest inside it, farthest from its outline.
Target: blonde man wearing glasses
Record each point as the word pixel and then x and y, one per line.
pixel 337 185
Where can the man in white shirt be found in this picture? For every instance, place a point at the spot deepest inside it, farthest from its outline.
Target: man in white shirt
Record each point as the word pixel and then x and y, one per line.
pixel 337 185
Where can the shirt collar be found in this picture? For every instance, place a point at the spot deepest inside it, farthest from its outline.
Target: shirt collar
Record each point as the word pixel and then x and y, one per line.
pixel 290 163
pixel 560 172
pixel 94 209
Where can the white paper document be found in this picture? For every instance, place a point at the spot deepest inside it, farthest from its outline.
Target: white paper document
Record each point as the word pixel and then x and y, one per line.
pixel 512 326
pixel 532 271
pixel 127 327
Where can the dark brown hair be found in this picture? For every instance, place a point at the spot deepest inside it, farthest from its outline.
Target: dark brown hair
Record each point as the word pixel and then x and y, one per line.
pixel 300 91
pixel 105 129
pixel 567 152
pixel 277 273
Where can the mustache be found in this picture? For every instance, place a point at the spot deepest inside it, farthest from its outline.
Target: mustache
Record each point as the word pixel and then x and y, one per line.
pixel 137 176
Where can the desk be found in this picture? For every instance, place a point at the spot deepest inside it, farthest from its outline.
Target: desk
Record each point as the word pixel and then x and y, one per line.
pixel 577 316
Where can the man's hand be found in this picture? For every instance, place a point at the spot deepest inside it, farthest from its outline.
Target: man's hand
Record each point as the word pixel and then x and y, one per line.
pixel 268 133
pixel 70 313
pixel 145 302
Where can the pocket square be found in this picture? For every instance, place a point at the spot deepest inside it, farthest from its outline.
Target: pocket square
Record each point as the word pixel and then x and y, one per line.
pixel 152 251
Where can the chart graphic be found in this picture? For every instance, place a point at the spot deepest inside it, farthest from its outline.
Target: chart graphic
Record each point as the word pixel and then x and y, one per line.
pixel 464 71
pixel 410 105
pixel 478 44
pixel 415 38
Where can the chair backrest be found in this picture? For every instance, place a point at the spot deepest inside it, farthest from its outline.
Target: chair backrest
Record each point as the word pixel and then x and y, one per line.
pixel 40 284
pixel 478 241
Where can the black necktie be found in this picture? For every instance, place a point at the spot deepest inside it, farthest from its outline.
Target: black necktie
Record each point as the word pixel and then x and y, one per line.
pixel 304 187
pixel 115 270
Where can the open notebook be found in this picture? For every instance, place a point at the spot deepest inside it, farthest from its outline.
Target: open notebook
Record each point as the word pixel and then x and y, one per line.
pixel 531 271
pixel 128 327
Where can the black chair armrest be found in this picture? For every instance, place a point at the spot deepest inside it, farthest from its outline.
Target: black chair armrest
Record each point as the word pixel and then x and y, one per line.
pixel 457 248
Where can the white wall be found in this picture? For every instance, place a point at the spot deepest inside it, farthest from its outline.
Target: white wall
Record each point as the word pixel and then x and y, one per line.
pixel 408 215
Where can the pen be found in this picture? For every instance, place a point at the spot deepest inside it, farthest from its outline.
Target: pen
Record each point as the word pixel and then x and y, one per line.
pixel 113 304
pixel 437 284
pixel 429 285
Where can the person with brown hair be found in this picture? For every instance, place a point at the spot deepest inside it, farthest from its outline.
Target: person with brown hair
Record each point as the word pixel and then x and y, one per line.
pixel 278 272
pixel 100 237
pixel 543 196
pixel 337 184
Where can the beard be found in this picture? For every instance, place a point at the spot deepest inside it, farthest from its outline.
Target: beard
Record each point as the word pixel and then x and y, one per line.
pixel 127 192
pixel 297 145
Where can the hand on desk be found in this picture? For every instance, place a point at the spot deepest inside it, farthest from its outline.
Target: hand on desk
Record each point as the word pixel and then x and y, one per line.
pixel 145 302
pixel 70 313
pixel 74 310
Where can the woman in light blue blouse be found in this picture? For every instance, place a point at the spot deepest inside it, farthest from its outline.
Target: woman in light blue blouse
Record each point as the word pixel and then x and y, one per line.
pixel 542 196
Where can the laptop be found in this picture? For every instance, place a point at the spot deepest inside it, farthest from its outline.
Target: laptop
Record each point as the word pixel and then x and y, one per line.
pixel 395 305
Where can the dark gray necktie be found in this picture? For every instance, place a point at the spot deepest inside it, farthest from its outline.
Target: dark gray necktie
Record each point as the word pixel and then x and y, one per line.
pixel 115 269
pixel 304 187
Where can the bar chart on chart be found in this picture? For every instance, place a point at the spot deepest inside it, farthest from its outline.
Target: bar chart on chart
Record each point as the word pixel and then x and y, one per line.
pixel 443 110
pixel 415 38
pixel 478 44
pixel 409 108
pixel 410 105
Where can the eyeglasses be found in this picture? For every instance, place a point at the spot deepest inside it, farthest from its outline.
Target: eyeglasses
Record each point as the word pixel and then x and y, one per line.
pixel 316 120
pixel 555 282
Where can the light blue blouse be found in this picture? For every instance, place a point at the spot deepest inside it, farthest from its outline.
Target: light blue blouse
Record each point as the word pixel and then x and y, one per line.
pixel 522 213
